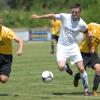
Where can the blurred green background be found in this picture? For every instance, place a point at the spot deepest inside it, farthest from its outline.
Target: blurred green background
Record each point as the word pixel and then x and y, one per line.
pixel 17 12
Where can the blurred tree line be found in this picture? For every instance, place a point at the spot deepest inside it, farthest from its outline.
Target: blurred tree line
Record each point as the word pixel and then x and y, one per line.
pixel 17 12
pixel 30 4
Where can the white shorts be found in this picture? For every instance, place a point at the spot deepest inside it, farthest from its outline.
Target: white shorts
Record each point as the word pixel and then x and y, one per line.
pixel 68 52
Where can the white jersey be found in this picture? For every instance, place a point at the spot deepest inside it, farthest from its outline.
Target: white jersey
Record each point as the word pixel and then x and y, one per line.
pixel 69 29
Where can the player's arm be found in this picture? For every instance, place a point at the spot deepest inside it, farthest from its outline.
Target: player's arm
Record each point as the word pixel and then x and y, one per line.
pixel 92 50
pixel 34 16
pixel 94 44
pixel 60 24
pixel 20 42
pixel 91 42
pixel 89 34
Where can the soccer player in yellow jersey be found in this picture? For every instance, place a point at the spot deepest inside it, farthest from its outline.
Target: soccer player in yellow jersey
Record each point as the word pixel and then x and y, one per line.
pixel 6 38
pixel 55 30
pixel 89 49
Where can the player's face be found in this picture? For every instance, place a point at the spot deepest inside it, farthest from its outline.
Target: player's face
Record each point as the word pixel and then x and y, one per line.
pixel 75 14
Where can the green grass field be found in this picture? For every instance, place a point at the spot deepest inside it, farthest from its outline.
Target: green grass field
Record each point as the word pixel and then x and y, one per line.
pixel 25 82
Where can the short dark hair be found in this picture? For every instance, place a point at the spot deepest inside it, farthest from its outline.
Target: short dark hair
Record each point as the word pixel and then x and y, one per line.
pixel 76 5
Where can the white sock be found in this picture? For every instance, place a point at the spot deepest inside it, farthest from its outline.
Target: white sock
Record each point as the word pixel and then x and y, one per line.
pixel 65 68
pixel 84 78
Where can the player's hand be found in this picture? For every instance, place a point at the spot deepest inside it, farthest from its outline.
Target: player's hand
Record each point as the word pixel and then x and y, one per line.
pixel 90 34
pixel 19 52
pixel 34 16
pixel 92 51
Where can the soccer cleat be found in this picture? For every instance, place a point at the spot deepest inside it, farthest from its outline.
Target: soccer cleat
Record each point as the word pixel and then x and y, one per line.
pixel 76 79
pixel 69 71
pixel 86 93
pixel 94 93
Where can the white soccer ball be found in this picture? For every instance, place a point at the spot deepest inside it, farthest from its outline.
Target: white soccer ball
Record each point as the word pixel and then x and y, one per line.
pixel 47 76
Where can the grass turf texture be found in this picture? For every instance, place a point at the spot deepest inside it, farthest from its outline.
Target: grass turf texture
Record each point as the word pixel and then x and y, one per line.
pixel 25 82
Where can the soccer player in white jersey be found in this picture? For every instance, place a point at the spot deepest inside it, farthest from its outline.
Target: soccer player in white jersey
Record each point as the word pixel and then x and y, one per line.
pixel 67 46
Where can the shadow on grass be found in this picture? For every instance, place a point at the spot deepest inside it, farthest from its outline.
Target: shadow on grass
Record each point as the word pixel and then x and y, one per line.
pixel 68 93
pixel 72 93
pixel 7 94
pixel 4 94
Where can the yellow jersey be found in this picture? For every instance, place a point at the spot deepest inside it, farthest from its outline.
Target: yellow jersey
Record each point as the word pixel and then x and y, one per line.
pixel 95 31
pixel 56 24
pixel 6 38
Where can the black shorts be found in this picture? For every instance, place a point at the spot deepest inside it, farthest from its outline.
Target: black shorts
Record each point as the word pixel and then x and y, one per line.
pixel 5 64
pixel 90 59
pixel 55 37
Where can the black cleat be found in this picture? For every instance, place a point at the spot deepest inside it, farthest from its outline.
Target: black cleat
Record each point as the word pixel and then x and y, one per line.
pixel 76 79
pixel 69 71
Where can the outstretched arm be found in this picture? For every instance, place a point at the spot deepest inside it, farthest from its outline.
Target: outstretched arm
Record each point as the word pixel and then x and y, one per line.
pixel 20 42
pixel 34 16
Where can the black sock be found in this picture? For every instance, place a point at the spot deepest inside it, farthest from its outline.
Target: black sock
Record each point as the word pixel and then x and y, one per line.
pixel 96 82
pixel 77 76
pixel 52 46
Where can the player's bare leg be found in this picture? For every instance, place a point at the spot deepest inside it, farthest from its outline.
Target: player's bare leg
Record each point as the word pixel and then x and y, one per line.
pixel 3 78
pixel 62 65
pixel 84 77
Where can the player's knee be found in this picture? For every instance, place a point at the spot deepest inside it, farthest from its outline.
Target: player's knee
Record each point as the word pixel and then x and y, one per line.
pixel 3 79
pixel 61 67
pixel 80 66
pixel 97 68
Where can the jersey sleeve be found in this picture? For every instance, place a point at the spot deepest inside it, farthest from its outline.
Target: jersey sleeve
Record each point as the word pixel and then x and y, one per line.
pixel 59 16
pixel 60 23
pixel 94 28
pixel 11 34
pixel 82 26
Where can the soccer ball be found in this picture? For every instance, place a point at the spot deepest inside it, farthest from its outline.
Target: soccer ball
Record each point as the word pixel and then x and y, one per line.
pixel 47 76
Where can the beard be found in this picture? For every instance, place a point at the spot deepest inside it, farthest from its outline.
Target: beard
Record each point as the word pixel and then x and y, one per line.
pixel 75 18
